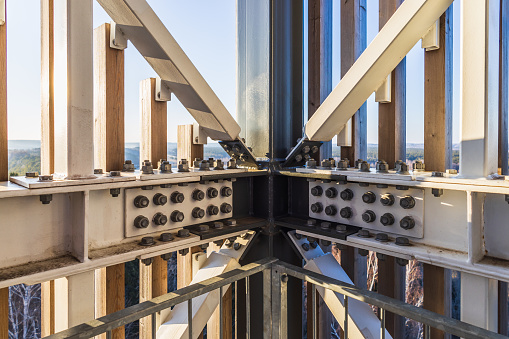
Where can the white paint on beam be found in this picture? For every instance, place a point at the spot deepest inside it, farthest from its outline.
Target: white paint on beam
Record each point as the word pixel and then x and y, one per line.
pixel 479 301
pixel 408 24
pixel 431 40
pixel 383 93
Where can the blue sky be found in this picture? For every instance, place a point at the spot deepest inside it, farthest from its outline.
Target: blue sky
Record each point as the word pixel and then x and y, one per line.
pixel 206 31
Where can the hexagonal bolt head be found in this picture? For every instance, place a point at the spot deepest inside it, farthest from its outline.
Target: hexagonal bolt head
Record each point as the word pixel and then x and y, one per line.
pixel 342 165
pixel 341 228
pixel 115 192
pixel 226 191
pixel 141 222
pixel 218 165
pixel 284 278
pixel 147 241
pixel 203 228
pixel 231 222
pixel 203 247
pixel 45 178
pixel 325 225
pixel 183 233
pixel 358 162
pixel 217 225
pixel 115 174
pixel 46 198
pixel 177 216
pixel 184 251
pixel 381 256
pixel 166 237
pixel 314 149
pixel 382 166
pixel 166 256
pixel 402 241
pixel 128 166
pixel 325 163
pixel 237 246
pixel 165 167
pixel 147 261
pixel 363 252
pixel 364 166
pixel 147 167
pixel 311 163
pixel 204 165
pixel 403 169
pixel 232 164
pixel 419 166
pixel 98 171
pixel 325 243
pixel 382 237
pixel 437 174
pixel 198 213
pixel 311 222
pixel 364 234
pixel 183 166
pixel 226 208
pixel 306 149
pixel 160 219
pixel 31 174
pixel 305 246
pixel 438 192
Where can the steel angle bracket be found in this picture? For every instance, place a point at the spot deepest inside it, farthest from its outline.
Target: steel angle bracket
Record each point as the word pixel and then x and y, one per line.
pixel 301 153
pixel 239 151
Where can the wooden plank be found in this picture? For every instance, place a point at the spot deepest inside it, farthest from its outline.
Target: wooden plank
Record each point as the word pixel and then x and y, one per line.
pixel 438 101
pixel 353 43
pixel 47 89
pixel 115 294
pixel 153 124
pixel 185 147
pixel 392 116
pixel 47 308
pixel 4 313
pixel 386 286
pixel 159 277
pixel 4 153
pixel 145 328
pixel 434 286
pixel 108 102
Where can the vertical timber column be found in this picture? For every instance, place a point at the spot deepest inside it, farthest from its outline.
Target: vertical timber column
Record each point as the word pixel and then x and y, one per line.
pixel 438 85
pixel 145 294
pixel 74 118
pixel 392 116
pixel 4 173
pixel 479 143
pixel 353 43
pixel 153 124
pixel 47 89
pixel 109 143
pixel 186 149
pixel 319 59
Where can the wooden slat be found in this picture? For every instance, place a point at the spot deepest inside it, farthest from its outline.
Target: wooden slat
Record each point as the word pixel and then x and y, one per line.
pixel 185 147
pixel 108 102
pixel 47 308
pixel 115 294
pixel 4 313
pixel 153 124
pixel 438 101
pixel 392 116
pixel 47 89
pixel 353 43
pixel 434 293
pixel 4 154
pixel 145 328
pixel 159 277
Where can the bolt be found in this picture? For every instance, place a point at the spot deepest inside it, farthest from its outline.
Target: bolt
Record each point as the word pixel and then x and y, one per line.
pixel 387 219
pixel 316 207
pixel 165 167
pixel 115 192
pixel 346 212
pixel 357 163
pixel 346 194
pixel 341 228
pixel 325 243
pixel 219 165
pixel 364 234
pixel 46 198
pixel 325 225
pixel 298 236
pixel 226 208
pixel 331 210
pixel 306 149
pixel 232 164
pixel 298 157
pixel 212 192
pixel 115 174
pixel 382 237
pixel 177 216
pixel 332 162
pixel 198 195
pixel 316 191
pixel 217 225
pixel 284 278
pixel 204 165
pixel 141 222
pixel 438 192
pixel 314 149
pixel 401 261
pixel 98 171
pixel 451 171
pixel 381 186
pixel 183 233
pixel 198 213
pixel 368 216
pixel 326 163
pixel 128 166
pixel 166 256
pixel 231 222
pixel 382 166
pixel 141 201
pixel 226 191
pixel 419 166
pixel 147 241
pixel 402 241
pixel 342 165
pixel 245 236
pixel 341 247
pixel 184 251
pixel 364 184
pixel 305 246
pixel 369 197
pixel 437 174
pixel 177 197
pixel 237 246
pixel 311 163
pixel 203 228
pixel 160 199
pixel 364 166
pixel 160 219
pixel 403 169
pixel 381 256
pixel 331 192
pixel 311 222
pixel 407 202
pixel 407 223
pixel 166 237
pixel 31 174
pixel 212 210
pixel 147 187
pixel 147 261
pixel 183 166
pixel 45 178
pixel 147 168
pixel 218 242
pixel 402 188
pixel 313 244
pixel 387 199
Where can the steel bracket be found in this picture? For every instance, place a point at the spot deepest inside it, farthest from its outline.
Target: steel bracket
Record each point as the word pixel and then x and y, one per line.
pixel 199 135
pixel 431 40
pixel 238 150
pixel 301 153
pixel 383 93
pixel 117 37
pixel 163 92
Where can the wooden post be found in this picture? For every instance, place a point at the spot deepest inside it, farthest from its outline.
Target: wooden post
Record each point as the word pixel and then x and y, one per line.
pixel 115 294
pixel 438 146
pixel 108 102
pixel 47 308
pixel 353 43
pixel 47 89
pixel 4 313
pixel 153 124
pixel 185 147
pixel 392 116
pixel 4 171
pixel 159 277
pixel 145 328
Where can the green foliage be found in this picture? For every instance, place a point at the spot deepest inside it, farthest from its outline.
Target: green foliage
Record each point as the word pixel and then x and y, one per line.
pixel 24 160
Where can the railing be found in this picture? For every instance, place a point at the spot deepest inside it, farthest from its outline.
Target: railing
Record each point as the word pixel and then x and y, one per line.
pixel 275 324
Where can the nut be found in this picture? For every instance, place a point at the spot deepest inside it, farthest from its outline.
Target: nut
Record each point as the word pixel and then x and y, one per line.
pixel 177 197
pixel 165 167
pixel 31 174
pixel 212 192
pixel 45 178
pixel 141 222
pixel 387 219
pixel 346 212
pixel 147 241
pixel 183 233
pixel 331 192
pixel 342 165
pixel 96 171
pixel 147 167
pixel 317 191
pixel 183 166
pixel 231 222
pixel 407 223
pixel 203 228
pixel 311 163
pixel 326 163
pixel 382 237
pixel 217 225
pixel 212 210
pixel 115 192
pixel 402 241
pixel 364 234
pixel 141 201
pixel 177 216
pixel 204 165
pixel 382 166
pixel 226 191
pixel 363 252
pixel 325 225
pixel 232 164
pixel 128 166
pixel 198 213
pixel 419 166
pixel 237 246
pixel 403 169
pixel 364 166
pixel 368 216
pixel 218 165
pixel 226 208
pixel 198 195
pixel 46 198
pixel 160 199
pixel 346 194
pixel 115 174
pixel 160 219
pixel 311 222
pixel 166 237
pixel 331 210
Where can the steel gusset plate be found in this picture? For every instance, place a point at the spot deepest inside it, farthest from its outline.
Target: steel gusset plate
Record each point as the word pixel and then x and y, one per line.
pixel 302 152
pixel 301 224
pixel 238 150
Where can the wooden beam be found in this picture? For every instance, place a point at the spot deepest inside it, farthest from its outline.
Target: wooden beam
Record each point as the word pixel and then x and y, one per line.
pixel 4 313
pixel 47 308
pixel 159 277
pixel 47 89
pixel 145 328
pixel 115 294
pixel 438 100
pixel 153 124
pixel 4 152
pixel 392 116
pixel 185 147
pixel 108 102
pixel 353 43
pixel 434 293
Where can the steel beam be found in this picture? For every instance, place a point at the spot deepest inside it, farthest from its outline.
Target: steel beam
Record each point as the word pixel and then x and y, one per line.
pixel 408 24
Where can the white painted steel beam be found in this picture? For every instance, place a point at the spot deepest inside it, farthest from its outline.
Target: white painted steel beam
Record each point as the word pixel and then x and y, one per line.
pixel 479 301
pixel 408 24
pixel 362 321
pixel 74 118
pixel 479 65
pixel 140 24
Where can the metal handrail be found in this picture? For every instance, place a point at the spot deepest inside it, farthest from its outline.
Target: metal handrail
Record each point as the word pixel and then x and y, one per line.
pixel 275 274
